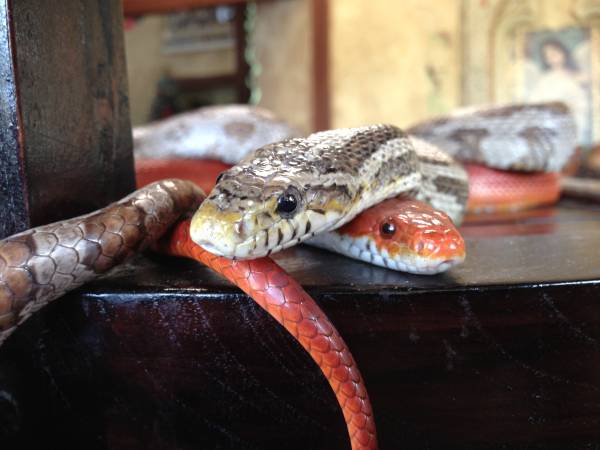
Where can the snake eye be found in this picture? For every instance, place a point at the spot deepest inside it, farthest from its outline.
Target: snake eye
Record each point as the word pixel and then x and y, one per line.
pixel 388 229
pixel 287 204
pixel 219 177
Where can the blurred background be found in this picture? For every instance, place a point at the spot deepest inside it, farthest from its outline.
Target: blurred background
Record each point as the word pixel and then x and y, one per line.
pixel 323 64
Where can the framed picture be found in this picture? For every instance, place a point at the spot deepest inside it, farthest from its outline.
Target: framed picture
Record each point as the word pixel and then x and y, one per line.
pixel 534 51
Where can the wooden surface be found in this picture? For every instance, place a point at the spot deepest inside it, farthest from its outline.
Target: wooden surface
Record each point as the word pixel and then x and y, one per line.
pixel 502 352
pixel 13 193
pixel 66 140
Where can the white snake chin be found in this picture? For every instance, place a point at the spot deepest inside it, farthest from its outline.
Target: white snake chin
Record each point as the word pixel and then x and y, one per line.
pixel 363 249
pixel 239 239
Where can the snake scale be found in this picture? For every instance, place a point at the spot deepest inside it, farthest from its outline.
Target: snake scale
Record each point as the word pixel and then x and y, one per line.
pixel 282 194
pixel 285 300
pixel 523 137
pixel 226 133
pixel 290 191
pixel 41 264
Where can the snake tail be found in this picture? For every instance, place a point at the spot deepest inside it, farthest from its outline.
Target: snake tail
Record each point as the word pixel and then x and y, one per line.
pixel 43 263
pixel 287 302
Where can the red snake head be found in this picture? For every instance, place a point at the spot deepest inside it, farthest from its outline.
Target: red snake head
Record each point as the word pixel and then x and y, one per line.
pixel 406 235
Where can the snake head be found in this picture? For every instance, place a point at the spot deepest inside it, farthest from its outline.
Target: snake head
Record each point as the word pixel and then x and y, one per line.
pixel 404 235
pixel 265 204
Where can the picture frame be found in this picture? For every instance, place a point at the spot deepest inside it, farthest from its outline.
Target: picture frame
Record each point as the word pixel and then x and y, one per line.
pixel 533 51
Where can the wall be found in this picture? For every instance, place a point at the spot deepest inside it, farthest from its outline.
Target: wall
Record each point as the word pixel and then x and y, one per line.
pixel 390 61
pixel 142 45
pixel 393 61
pixel 282 36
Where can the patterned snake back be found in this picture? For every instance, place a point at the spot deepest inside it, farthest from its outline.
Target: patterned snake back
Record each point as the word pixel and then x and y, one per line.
pixel 43 263
pixel 226 133
pixel 287 192
pixel 526 137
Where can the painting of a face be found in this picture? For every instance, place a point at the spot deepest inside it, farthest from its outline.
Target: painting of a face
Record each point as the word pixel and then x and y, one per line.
pixel 554 55
pixel 557 68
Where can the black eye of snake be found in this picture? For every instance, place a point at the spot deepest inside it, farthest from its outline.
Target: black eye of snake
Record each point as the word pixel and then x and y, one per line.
pixel 388 229
pixel 286 204
pixel 219 177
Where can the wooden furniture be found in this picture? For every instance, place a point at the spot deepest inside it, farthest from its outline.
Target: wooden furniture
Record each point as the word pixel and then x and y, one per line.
pixel 501 352
pixel 64 115
pixel 320 65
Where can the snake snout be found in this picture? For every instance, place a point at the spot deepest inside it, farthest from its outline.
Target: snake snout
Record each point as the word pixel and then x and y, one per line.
pixel 221 233
pixel 446 245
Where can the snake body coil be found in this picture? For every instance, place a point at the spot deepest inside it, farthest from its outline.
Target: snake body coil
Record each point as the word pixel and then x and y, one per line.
pixel 526 137
pixel 287 192
pixel 42 264
pixel 227 133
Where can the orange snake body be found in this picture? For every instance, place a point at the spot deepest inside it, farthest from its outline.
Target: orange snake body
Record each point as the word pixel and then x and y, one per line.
pixel 493 190
pixel 288 303
pixel 41 264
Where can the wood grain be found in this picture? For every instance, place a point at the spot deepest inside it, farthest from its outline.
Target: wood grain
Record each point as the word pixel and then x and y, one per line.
pixel 67 145
pixel 13 191
pixel 499 353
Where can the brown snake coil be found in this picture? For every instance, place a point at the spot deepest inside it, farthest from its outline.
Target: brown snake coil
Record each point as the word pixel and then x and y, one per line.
pixel 43 263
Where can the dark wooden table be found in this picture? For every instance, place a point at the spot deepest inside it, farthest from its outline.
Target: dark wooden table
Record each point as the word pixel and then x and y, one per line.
pixel 502 352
